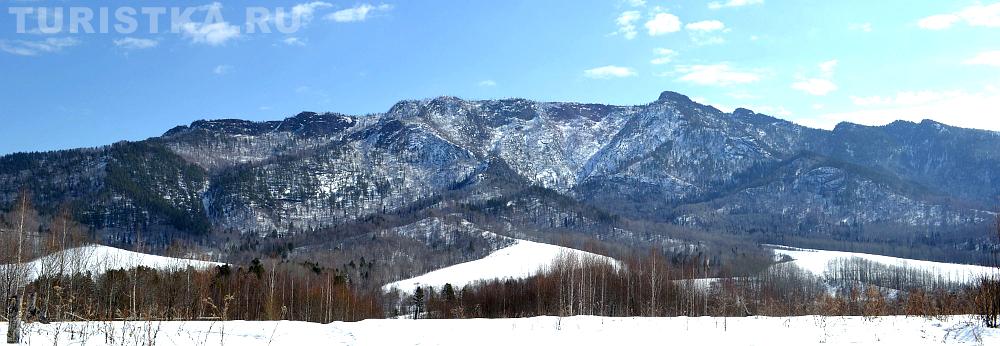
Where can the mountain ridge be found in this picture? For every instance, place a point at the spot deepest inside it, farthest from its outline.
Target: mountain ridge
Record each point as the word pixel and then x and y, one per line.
pixel 671 161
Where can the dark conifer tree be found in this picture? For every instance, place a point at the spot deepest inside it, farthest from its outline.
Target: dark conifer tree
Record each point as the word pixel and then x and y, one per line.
pixel 418 302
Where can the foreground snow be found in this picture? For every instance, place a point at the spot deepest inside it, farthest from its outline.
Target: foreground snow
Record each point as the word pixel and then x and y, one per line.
pixel 816 261
pixel 99 259
pixel 520 260
pixel 579 330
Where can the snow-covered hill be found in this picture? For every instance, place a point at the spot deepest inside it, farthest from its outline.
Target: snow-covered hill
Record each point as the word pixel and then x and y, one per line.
pixel 817 261
pixel 577 331
pixel 520 260
pixel 99 258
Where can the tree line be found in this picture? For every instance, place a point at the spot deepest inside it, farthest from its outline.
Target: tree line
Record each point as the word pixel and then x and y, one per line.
pixel 653 286
pixel 655 283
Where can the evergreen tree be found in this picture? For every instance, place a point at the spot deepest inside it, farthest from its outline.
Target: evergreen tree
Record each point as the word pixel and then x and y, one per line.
pixel 449 293
pixel 418 302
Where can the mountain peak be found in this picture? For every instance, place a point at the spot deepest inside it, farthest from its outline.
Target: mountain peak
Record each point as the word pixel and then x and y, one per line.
pixel 743 112
pixel 929 122
pixel 673 96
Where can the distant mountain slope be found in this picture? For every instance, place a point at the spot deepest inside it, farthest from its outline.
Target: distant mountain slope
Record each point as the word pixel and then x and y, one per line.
pixel 586 168
pixel 97 259
pixel 818 262
pixel 519 260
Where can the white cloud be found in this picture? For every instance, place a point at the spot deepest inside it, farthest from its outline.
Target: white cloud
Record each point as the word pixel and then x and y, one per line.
pixel 717 74
pixel 32 48
pixel 304 12
pixel 704 40
pixel 988 58
pixel 706 26
pixel 212 34
pixel 636 3
pixel 222 69
pixel 357 13
pixel 610 71
pixel 307 11
pixel 705 32
pixel 715 5
pixel 136 43
pixel 866 27
pixel 954 107
pixel 487 83
pixel 663 56
pixel 938 22
pixel 815 86
pixel 827 67
pixel 819 86
pixel 973 15
pixel 294 41
pixel 626 24
pixel 663 23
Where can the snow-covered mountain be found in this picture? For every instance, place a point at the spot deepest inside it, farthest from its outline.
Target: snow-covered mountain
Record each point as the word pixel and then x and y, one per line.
pixel 527 165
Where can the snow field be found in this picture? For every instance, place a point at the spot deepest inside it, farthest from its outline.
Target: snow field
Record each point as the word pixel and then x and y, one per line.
pixel 816 261
pixel 98 259
pixel 520 260
pixel 577 331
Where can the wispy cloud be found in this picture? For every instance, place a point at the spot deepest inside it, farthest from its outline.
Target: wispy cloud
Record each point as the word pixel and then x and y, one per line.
pixel 819 86
pixel 663 56
pixel 721 74
pixel 32 48
pixel 213 34
pixel 715 5
pixel 294 41
pixel 988 58
pixel 815 86
pixel 307 11
pixel 826 68
pixel 136 43
pixel 865 27
pixel 973 15
pixel 357 13
pixel 487 83
pixel 609 71
pixel 626 24
pixel 663 23
pixel 302 14
pixel 706 26
pixel 706 32
pixel 222 69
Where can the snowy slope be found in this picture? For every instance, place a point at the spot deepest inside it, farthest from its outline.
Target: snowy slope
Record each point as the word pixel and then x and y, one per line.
pixel 577 331
pixel 520 260
pixel 98 259
pixel 815 261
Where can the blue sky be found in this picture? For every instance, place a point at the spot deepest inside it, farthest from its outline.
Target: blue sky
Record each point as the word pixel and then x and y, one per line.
pixel 813 62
